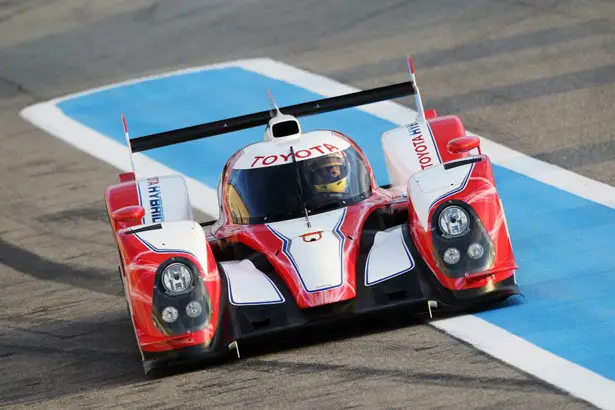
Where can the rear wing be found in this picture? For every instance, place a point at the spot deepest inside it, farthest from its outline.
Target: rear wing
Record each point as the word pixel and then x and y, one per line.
pixel 242 122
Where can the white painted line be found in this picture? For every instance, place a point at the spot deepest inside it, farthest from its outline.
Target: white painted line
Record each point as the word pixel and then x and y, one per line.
pixel 181 71
pixel 520 353
pixel 391 111
pixel 495 341
pixel 388 110
pixel 50 118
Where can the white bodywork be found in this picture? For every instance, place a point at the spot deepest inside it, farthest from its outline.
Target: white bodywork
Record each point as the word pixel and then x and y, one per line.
pixel 277 152
pixel 249 286
pixel 388 257
pixel 317 257
pixel 429 186
pixel 415 165
pixel 180 236
pixel 279 119
pixel 409 149
pixel 165 199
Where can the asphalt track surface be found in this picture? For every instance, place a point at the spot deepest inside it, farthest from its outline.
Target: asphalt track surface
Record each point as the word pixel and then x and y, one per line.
pixel 535 75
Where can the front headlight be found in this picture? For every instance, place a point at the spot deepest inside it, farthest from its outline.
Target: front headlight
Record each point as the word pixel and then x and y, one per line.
pixel 451 256
pixel 169 314
pixel 454 221
pixel 475 250
pixel 194 309
pixel 177 278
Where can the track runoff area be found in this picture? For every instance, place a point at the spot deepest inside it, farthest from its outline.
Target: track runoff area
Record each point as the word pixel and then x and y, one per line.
pixel 562 330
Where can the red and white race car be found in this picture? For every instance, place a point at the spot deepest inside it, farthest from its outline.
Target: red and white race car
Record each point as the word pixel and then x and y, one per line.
pixel 304 233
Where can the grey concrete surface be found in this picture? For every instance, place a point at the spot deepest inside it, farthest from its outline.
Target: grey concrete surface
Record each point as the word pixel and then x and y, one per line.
pixel 536 75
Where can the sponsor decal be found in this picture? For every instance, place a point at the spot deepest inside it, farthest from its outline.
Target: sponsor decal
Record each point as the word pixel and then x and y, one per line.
pixel 423 154
pixel 312 236
pixel 316 151
pixel 155 199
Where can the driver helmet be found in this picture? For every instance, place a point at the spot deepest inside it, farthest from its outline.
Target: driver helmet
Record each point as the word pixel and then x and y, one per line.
pixel 329 173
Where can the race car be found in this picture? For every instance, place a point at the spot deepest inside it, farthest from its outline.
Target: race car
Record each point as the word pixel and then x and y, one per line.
pixel 305 235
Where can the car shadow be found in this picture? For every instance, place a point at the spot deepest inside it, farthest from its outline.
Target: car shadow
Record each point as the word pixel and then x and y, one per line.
pixel 58 357
pixel 301 338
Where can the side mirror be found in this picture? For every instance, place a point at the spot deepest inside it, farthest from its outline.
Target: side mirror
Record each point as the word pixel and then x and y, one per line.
pixel 463 144
pixel 127 176
pixel 128 213
pixel 429 114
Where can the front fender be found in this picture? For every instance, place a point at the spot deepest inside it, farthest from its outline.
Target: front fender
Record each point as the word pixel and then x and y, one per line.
pixel 146 250
pixel 468 183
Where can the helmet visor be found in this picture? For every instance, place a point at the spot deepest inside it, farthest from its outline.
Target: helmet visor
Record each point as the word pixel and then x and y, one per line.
pixel 329 173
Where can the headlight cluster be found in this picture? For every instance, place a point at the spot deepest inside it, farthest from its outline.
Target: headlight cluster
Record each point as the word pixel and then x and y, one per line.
pixel 180 296
pixel 460 240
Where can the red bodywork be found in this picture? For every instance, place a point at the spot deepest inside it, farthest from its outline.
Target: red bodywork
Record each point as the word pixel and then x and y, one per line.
pixel 138 268
pixel 139 262
pixel 481 194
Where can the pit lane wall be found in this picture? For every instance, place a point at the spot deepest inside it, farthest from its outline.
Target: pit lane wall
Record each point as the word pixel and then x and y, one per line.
pixel 562 330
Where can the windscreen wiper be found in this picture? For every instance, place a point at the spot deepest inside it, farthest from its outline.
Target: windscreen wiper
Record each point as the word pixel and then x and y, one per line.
pixel 300 185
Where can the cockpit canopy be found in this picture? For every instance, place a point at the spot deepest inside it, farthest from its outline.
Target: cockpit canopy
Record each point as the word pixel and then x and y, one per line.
pixel 270 188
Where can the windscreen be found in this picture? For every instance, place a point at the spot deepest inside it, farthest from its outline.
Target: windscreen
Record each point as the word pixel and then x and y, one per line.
pixel 277 193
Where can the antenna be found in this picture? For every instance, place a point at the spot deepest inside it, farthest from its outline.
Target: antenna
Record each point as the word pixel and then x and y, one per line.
pixel 300 188
pixel 417 96
pixel 127 136
pixel 273 105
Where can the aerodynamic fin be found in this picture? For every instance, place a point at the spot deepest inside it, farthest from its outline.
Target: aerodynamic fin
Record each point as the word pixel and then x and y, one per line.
pixel 127 136
pixel 417 95
pixel 275 110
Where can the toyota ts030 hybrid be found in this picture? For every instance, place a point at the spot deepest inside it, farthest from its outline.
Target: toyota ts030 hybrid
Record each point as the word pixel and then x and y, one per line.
pixel 305 235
